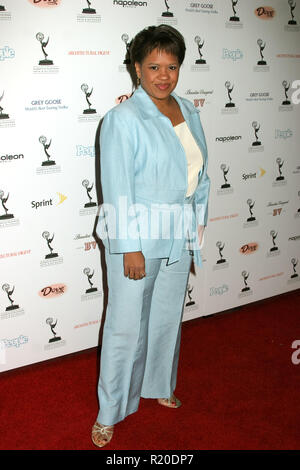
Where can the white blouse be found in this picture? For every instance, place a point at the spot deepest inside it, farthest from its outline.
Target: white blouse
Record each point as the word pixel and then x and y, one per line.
pixel 193 155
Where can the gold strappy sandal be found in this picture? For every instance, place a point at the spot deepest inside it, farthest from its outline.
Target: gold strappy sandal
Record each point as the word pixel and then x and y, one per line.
pixel 171 402
pixel 101 435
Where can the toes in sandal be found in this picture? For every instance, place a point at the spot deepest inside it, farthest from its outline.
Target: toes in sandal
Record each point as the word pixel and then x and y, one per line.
pixel 171 402
pixel 101 435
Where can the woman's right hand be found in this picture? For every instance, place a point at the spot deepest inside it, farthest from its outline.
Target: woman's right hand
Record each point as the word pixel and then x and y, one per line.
pixel 134 265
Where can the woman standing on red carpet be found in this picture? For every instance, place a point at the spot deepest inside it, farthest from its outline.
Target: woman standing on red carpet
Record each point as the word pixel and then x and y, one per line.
pixel 155 192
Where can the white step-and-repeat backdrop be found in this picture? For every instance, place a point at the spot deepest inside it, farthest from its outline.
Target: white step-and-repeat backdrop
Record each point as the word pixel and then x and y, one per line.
pixel 61 68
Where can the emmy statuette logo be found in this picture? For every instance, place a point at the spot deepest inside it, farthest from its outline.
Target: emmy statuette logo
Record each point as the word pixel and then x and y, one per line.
pixel 49 240
pixel 200 64
pixel 286 104
pixel 49 165
pixel 294 262
pixel 40 37
pixel 220 247
pixel 9 292
pixel 256 128
pixel 262 65
pixel 274 250
pixel 91 292
pixel 3 115
pixel 85 89
pixel 89 114
pixel 89 207
pixel 167 16
pixel 88 14
pixel 234 20
pixel 52 325
pixel 229 88
pixel 51 258
pixel 225 170
pixel 251 220
pixel 189 292
pixel 221 263
pixel 13 310
pixel 280 179
pixel 89 10
pixel 4 201
pixel 89 276
pixel 125 39
pixel 292 6
pixel 261 48
pixel 55 341
pixel 250 206
pixel 167 13
pixel 7 219
pixel 124 66
pixel 294 277
pixel 230 107
pixel 246 290
pixel 286 87
pixel 225 187
pixel 85 184
pixel 280 165
pixel 43 141
pixel 200 44
pixel 256 145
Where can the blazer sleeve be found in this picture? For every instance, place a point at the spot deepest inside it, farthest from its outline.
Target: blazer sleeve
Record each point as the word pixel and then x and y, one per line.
pixel 117 156
pixel 203 188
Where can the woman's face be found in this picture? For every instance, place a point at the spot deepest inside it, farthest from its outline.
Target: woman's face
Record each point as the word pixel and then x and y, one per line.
pixel 159 74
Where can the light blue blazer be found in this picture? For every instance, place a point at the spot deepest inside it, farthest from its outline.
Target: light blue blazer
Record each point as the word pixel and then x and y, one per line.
pixel 144 180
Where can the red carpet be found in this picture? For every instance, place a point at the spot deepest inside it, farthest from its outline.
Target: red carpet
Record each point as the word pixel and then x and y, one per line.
pixel 238 385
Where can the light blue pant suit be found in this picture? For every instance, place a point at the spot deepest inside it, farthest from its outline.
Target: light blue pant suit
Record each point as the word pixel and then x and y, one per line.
pixel 143 161
pixel 141 335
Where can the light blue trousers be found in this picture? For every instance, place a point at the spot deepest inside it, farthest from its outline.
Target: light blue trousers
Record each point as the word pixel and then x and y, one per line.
pixel 141 335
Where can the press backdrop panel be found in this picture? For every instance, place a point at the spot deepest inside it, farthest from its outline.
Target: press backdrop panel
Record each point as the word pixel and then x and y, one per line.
pixel 62 67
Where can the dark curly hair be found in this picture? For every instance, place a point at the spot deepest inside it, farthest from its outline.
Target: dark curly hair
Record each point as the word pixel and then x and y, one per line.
pixel 162 37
